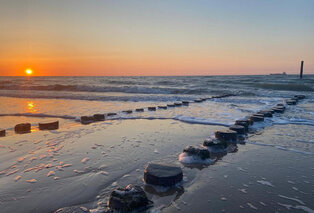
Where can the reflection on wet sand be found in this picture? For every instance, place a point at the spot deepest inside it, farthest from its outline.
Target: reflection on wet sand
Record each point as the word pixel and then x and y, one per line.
pixel 31 107
pixel 163 191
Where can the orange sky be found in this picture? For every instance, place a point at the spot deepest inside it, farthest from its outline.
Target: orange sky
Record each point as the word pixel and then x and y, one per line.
pixel 76 37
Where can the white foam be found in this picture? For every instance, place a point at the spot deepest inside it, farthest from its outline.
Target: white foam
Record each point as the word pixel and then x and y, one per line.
pixel 51 173
pixel 66 165
pixel 252 206
pixel 195 120
pixel 17 178
pixel 241 169
pixel 243 190
pixel 304 208
pixel 98 210
pixel 294 199
pixel 187 159
pixel 262 203
pixel 12 172
pixel 84 160
pixel 264 182
pixel 31 181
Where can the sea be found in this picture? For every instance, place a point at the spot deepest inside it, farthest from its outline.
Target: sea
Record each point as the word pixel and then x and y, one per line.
pixel 69 98
pixel 78 166
pixel 34 99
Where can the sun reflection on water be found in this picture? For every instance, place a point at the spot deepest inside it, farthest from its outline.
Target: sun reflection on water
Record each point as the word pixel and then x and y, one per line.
pixel 31 106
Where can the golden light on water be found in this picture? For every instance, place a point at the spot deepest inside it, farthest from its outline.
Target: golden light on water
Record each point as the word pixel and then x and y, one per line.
pixel 31 106
pixel 29 71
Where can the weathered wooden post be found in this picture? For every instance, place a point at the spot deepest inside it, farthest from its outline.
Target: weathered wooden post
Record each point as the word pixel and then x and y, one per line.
pixel 301 70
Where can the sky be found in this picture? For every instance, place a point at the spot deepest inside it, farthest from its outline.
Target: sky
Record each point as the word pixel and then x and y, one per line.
pixel 156 37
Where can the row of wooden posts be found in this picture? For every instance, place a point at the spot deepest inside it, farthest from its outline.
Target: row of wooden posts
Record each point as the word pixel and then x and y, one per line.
pixel 102 117
pixel 23 128
pixel 133 197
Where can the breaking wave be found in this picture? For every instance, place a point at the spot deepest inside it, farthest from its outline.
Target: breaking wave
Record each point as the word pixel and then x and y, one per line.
pixel 122 89
pixel 98 88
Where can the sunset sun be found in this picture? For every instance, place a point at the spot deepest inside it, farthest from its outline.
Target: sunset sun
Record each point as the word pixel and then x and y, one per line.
pixel 29 71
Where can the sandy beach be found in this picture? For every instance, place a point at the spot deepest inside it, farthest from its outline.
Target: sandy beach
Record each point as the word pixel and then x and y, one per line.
pixel 44 171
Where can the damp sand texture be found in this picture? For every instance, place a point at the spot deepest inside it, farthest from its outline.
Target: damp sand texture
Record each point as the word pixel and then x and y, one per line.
pixel 91 161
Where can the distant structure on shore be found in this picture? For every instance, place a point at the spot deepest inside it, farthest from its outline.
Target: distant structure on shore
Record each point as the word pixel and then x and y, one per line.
pixel 285 74
pixel 279 74
pixel 301 70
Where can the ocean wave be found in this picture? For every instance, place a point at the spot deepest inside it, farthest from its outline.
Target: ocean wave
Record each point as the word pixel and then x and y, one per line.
pixel 125 82
pixel 5 82
pixel 87 97
pixel 287 87
pixel 39 115
pixel 138 89
pixel 124 89
pixel 92 87
pixel 54 87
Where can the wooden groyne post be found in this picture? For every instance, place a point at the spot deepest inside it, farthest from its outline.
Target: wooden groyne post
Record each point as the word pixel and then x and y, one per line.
pixel 301 70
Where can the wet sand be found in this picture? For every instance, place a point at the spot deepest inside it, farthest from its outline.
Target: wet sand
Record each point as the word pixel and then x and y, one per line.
pixel 255 179
pixel 80 165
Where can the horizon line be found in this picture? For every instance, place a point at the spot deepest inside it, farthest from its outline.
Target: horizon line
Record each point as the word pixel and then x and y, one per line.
pixel 147 75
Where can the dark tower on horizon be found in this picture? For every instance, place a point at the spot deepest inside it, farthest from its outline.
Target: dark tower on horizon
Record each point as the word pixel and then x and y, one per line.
pixel 301 70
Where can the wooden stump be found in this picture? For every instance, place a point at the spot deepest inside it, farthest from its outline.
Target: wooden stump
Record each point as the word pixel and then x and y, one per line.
pixel 129 199
pixel 299 96
pixel 151 108
pixel 49 126
pixel 186 103
pixel 214 143
pixel 2 132
pixel 111 114
pixel 198 100
pixel 266 113
pixel 291 102
pixel 139 110
pixel 197 151
pixel 99 117
pixel 162 174
pixel 244 123
pixel 162 107
pixel 226 135
pixel 238 128
pixel 257 118
pixel 87 119
pixel 279 109
pixel 22 128
pixel 258 114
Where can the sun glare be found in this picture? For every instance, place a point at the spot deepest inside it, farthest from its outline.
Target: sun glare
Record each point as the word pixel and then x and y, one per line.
pixel 29 71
